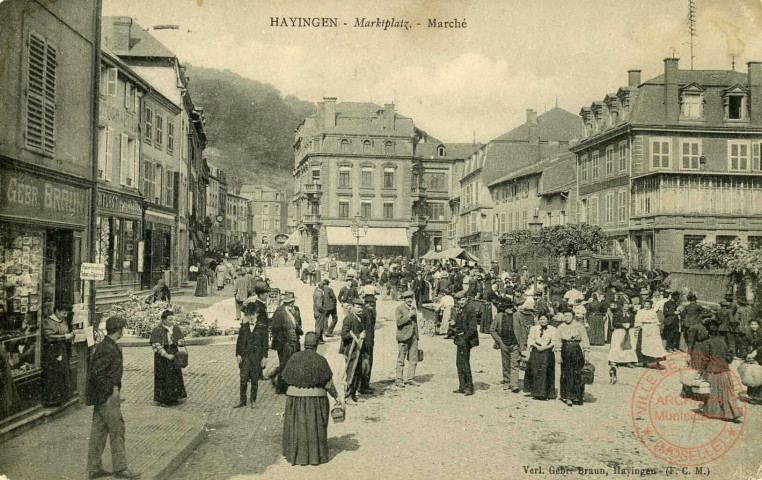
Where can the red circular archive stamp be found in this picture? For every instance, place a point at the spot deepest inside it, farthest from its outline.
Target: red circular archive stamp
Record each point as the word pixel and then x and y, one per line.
pixel 688 426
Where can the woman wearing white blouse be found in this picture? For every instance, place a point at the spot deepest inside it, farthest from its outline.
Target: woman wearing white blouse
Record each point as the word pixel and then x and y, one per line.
pixel 651 349
pixel 540 375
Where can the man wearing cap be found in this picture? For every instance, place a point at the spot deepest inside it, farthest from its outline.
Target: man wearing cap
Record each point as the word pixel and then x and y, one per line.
pixel 329 305
pixel 466 337
pixel 353 324
pixel 103 392
pixel 286 330
pixel 251 345
pixel 346 294
pixel 406 316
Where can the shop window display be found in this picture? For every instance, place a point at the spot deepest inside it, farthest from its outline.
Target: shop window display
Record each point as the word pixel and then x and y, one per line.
pixel 21 300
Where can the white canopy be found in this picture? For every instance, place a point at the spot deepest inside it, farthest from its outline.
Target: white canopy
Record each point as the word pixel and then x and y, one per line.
pixel 379 237
pixel 293 239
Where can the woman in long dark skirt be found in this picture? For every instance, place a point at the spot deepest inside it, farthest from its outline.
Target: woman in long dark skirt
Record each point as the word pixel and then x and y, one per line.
pixel 168 385
pixel 202 281
pixel 596 318
pixel 722 403
pixel 55 358
pixel 572 349
pixel 305 423
pixel 540 375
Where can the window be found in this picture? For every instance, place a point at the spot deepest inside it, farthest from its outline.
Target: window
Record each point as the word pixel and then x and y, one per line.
pixel 502 223
pixel 435 181
pixel 389 148
pixel 344 177
pixel 366 177
pixel 128 89
pixel 593 216
pixel 265 224
pixel 690 154
pixel 622 157
pixel 474 225
pixel 158 171
pixel 149 181
pixel 148 128
pixel 276 224
pixel 609 208
pixel 389 177
pixel 735 107
pixel 125 160
pixel 738 156
pixel 441 151
pixel 41 96
pixel 691 106
pixel 437 211
pixel 595 164
pixel 265 209
pixel 524 189
pixel 316 174
pixel 106 153
pixel 660 151
pixel 169 188
pixel 583 168
pixel 159 131
pixel 367 146
pixel 366 210
pixel 755 242
pixel 345 145
pixel 277 209
pixel 344 209
pixel 511 221
pixel 622 206
pixel 610 161
pixel 689 246
pixel 111 82
pixel 388 210
pixel 170 137
pixel 524 224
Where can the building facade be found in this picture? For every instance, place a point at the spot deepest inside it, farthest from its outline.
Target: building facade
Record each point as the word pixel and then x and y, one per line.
pixel 269 214
pixel 353 166
pixel 48 98
pixel 216 209
pixel 674 161
pixel 236 221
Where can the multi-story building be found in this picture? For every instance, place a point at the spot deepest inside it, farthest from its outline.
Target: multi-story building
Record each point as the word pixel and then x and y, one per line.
pixel 48 98
pixel 216 208
pixel 673 161
pixel 454 229
pixel 119 223
pixel 475 209
pixel 515 167
pixel 269 213
pixel 353 166
pixel 237 220
pixel 439 163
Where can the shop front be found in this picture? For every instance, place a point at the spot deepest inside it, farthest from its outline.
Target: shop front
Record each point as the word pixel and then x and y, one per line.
pixel 387 242
pixel 43 221
pixel 157 252
pixel 118 235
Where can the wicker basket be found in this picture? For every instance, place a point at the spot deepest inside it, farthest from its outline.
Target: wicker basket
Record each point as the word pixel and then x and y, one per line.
pixel 690 377
pixel 703 388
pixel 338 413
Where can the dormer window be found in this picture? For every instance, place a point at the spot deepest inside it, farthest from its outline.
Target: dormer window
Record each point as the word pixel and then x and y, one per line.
pixel 691 102
pixel 441 151
pixel 734 100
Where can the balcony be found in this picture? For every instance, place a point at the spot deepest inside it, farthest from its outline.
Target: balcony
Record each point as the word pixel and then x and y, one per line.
pixel 313 190
pixel 420 221
pixel 311 219
pixel 417 193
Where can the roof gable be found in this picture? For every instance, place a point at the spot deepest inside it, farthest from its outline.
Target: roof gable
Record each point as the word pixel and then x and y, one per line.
pixel 556 124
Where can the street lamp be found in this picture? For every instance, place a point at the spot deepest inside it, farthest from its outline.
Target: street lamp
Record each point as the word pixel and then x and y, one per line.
pixel 534 230
pixel 358 231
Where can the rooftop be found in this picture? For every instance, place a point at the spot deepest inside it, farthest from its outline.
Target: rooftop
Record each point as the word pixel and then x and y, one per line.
pixel 556 124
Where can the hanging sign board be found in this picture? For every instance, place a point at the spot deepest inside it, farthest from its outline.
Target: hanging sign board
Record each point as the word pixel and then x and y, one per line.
pixel 92 271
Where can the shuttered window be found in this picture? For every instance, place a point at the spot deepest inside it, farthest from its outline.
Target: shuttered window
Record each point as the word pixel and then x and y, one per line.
pixel 111 82
pixel 109 156
pixel 41 95
pixel 125 160
pixel 136 162
pixel 148 128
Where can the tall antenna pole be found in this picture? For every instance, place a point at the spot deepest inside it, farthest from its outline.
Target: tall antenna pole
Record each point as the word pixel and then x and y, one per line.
pixel 692 26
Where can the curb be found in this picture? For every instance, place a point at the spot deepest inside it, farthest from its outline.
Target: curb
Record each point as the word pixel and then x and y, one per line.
pixel 164 466
pixel 196 341
pixel 37 416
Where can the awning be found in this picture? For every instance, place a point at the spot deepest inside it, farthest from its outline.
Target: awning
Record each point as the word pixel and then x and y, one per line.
pixel 432 255
pixel 293 239
pixel 377 237
pixel 459 253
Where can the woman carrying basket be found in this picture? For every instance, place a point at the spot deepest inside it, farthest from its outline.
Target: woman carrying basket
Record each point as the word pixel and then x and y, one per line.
pixel 168 385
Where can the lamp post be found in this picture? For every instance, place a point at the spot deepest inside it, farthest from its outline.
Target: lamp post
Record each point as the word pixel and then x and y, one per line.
pixel 358 231
pixel 534 229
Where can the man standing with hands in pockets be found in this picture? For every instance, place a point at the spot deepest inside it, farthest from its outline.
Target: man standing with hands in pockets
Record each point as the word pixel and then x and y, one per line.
pixel 407 339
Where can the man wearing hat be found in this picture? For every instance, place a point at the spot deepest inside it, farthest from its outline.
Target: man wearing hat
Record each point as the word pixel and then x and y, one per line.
pixel 286 330
pixel 104 385
pixel 329 305
pixel 466 337
pixel 353 324
pixel 671 332
pixel 319 311
pixel 251 345
pixel 406 316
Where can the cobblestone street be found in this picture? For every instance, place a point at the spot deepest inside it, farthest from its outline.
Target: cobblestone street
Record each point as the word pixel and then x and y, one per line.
pixel 427 430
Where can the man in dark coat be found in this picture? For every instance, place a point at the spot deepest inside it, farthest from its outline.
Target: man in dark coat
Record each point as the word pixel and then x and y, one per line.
pixel 353 324
pixel 104 386
pixel 671 323
pixel 368 318
pixel 298 266
pixel 329 306
pixel 406 317
pixel 318 297
pixel 251 346
pixel 420 289
pixel 466 337
pixel 286 330
pixel 690 316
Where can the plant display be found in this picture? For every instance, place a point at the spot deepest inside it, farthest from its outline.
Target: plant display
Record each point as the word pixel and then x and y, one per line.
pixel 142 318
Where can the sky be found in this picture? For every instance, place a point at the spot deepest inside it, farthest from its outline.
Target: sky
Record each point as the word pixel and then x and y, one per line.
pixel 456 84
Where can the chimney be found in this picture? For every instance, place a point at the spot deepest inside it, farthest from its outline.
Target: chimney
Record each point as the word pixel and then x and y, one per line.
pixel 389 116
pixel 533 134
pixel 671 93
pixel 119 38
pixel 633 78
pixel 755 92
pixel 329 111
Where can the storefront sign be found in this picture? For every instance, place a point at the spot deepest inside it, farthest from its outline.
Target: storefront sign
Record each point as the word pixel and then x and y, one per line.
pixel 117 115
pixel 92 271
pixel 26 196
pixel 117 204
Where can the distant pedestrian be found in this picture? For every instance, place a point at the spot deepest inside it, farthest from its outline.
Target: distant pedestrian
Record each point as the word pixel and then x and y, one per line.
pixel 329 305
pixel 168 384
pixel 221 276
pixel 286 330
pixel 241 291
pixel 466 337
pixel 103 392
